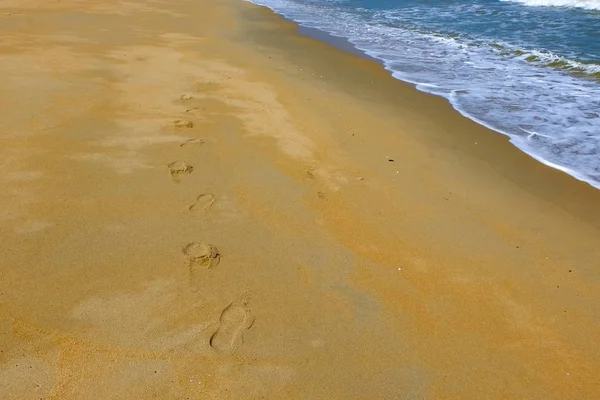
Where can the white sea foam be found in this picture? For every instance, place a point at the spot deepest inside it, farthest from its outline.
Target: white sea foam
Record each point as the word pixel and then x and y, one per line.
pixel 587 4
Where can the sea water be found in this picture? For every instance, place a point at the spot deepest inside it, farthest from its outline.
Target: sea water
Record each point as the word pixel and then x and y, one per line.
pixel 529 69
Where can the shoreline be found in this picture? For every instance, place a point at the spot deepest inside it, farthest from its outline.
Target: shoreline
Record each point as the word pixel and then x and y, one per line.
pixel 552 184
pixel 202 203
pixel 339 43
pixel 344 44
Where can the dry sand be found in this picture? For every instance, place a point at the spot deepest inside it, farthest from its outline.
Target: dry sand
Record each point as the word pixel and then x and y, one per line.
pixel 199 203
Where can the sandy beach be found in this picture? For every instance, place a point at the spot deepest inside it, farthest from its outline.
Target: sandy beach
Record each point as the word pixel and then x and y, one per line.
pixel 200 203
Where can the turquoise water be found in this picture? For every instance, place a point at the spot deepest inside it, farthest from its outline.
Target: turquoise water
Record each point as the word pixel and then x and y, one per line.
pixel 529 69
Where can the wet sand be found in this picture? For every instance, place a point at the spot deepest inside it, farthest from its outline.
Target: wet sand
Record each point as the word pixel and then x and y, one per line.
pixel 200 203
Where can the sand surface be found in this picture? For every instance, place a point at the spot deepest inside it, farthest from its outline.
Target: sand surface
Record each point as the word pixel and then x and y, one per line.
pixel 198 203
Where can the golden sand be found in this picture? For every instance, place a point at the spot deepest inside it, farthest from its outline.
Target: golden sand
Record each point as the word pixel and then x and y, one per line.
pixel 198 203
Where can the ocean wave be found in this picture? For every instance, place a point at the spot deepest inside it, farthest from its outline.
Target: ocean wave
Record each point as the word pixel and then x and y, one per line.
pixel 548 59
pixel 551 60
pixel 587 4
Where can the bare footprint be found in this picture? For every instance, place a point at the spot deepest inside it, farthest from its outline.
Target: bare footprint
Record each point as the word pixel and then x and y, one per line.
pixel 192 141
pixel 203 202
pixel 202 254
pixel 310 173
pixel 235 319
pixel 183 123
pixel 178 168
pixel 201 257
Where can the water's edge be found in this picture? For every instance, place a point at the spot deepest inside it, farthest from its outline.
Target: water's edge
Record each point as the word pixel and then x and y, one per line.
pixel 342 43
pixel 339 43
